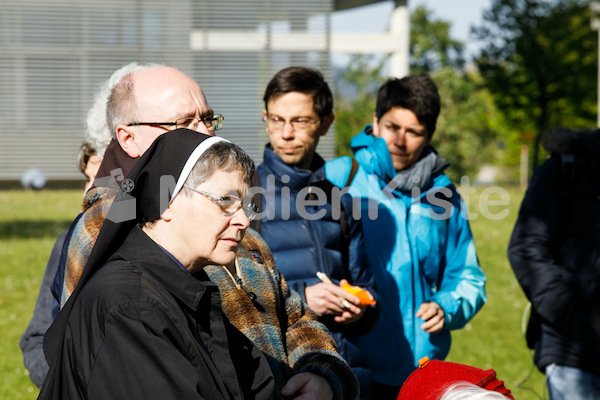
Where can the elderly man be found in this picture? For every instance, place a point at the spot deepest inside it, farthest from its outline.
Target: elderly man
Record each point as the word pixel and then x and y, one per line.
pixel 137 116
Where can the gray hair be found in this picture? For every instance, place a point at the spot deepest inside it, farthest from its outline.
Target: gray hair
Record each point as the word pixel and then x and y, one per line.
pixel 98 132
pixel 469 391
pixel 222 156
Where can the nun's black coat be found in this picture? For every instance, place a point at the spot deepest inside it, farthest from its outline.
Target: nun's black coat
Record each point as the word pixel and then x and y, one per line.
pixel 143 328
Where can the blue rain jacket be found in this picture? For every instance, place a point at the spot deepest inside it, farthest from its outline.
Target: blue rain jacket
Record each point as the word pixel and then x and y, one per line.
pixel 420 249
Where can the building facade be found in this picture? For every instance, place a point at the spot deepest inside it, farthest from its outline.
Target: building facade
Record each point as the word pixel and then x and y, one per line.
pixel 54 54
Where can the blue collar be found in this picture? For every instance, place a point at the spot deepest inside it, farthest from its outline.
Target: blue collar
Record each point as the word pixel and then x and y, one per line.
pixel 299 178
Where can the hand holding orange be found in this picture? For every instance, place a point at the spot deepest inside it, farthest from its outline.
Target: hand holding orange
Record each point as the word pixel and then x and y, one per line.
pixel 363 296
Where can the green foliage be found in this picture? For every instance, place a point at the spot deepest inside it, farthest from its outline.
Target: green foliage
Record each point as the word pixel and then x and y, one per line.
pixel 352 113
pixel 29 225
pixel 540 63
pixel 466 132
pixel 431 46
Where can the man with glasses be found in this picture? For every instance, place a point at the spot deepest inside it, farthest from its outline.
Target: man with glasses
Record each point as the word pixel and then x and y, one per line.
pixel 141 103
pixel 300 222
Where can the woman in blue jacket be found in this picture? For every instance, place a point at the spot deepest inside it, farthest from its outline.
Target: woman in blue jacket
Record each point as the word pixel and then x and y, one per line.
pixel 418 241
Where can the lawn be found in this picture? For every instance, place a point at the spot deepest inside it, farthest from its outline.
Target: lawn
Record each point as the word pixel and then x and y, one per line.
pixel 494 337
pixel 30 222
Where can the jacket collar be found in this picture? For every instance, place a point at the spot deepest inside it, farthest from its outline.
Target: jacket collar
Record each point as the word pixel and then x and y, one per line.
pixel 146 254
pixel 298 178
pixel 374 157
pixel 114 161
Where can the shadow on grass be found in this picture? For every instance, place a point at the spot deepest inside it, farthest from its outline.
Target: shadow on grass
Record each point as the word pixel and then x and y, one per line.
pixel 26 229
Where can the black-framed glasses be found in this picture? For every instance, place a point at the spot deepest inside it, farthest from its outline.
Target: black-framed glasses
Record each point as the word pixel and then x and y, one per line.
pixel 212 122
pixel 229 203
pixel 300 124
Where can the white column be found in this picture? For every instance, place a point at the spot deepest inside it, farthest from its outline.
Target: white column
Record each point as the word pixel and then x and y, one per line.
pixel 400 28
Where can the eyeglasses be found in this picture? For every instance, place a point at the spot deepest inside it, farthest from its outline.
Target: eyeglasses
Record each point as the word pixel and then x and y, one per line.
pixel 229 204
pixel 299 124
pixel 212 122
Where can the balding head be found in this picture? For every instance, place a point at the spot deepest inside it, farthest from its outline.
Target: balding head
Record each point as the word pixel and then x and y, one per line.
pixel 97 130
pixel 149 95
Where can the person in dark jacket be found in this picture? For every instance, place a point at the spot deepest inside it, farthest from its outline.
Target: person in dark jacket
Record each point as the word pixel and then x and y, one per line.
pixel 300 213
pixel 554 253
pixel 145 321
pixel 46 308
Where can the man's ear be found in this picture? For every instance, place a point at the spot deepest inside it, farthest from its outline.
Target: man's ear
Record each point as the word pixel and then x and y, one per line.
pixel 326 122
pixel 126 139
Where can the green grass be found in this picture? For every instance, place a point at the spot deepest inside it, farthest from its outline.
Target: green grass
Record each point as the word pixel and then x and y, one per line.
pixel 30 222
pixel 493 339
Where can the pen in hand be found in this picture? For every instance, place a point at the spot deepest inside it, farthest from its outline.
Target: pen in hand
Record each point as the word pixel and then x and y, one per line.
pixel 324 278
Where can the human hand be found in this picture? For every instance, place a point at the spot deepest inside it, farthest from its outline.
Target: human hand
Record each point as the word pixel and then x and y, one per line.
pixel 307 386
pixel 328 299
pixel 433 315
pixel 350 317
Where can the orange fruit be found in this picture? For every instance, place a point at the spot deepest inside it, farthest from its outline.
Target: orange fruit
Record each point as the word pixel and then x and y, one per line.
pixel 362 294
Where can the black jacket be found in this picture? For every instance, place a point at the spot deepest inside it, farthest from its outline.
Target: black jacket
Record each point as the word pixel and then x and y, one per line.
pixel 555 251
pixel 144 328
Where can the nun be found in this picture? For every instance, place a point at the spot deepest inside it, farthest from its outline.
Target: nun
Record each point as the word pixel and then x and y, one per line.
pixel 145 321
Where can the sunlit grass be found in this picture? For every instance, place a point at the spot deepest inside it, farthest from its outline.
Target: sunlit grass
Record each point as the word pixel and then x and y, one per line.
pixel 29 224
pixel 494 338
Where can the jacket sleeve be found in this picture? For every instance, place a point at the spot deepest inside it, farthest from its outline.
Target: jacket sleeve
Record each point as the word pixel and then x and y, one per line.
pixel 311 348
pixel 461 289
pixel 337 172
pixel 533 247
pixel 31 342
pixel 360 273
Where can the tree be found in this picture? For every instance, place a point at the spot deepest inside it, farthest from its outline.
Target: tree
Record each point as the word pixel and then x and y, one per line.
pixel 539 61
pixel 431 46
pixel 467 131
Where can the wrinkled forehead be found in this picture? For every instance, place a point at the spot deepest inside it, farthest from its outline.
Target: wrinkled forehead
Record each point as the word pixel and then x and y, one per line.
pixel 167 92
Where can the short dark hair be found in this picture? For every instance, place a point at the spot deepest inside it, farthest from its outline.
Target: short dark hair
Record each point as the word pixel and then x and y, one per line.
pixel 304 80
pixel 417 93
